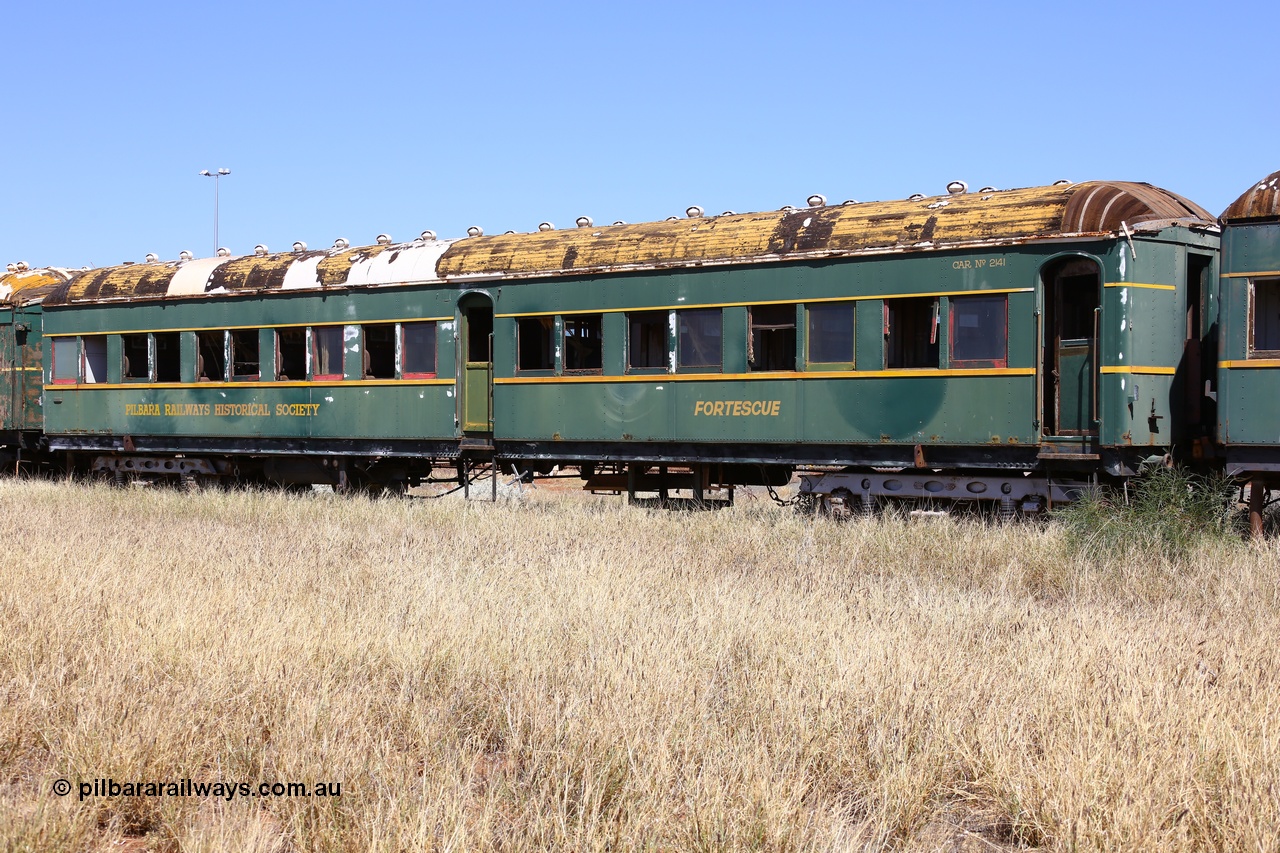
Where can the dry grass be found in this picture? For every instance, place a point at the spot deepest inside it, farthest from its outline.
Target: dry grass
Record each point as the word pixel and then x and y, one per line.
pixel 575 674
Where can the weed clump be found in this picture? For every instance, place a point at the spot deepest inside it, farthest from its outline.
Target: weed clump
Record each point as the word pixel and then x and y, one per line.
pixel 1168 512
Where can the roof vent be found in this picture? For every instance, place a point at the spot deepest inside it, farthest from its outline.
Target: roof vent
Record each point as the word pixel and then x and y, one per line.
pixel 915 196
pixel 184 255
pixel 508 232
pixel 383 239
pixel 619 222
pixel 694 212
pixel 475 231
pixel 583 221
pixel 848 201
pixel 22 266
pixel 12 267
pixel 672 218
pixel 1061 182
pixel 546 226
pixel 341 243
pixel 816 200
pixel 427 235
pixel 152 257
pixel 728 213
pixel 957 188
pixel 786 208
pixel 260 250
pixel 224 252
pixel 299 246
pixel 987 190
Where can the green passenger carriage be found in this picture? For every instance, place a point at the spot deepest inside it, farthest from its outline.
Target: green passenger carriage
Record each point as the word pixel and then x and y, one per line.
pixel 1008 345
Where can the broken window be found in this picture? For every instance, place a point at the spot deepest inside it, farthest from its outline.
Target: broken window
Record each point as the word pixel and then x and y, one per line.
pixel 95 358
pixel 66 360
pixel 911 332
pixel 211 364
pixel 291 354
pixel 1078 295
pixel 979 331
pixel 830 334
pixel 244 354
pixel 380 351
pixel 583 351
pixel 647 340
pixel 326 352
pixel 1266 315
pixel 699 342
pixel 418 350
pixel 771 344
pixel 533 341
pixel 135 361
pixel 168 356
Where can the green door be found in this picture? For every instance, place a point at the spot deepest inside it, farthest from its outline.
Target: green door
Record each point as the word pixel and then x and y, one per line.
pixel 477 370
pixel 1074 304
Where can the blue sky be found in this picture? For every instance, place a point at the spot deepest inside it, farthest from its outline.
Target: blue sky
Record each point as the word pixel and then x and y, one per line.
pixel 348 120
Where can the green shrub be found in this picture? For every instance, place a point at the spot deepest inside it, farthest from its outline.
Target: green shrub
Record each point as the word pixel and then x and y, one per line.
pixel 1168 511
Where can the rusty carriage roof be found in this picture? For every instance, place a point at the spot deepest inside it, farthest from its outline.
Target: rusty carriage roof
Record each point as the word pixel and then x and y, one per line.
pixel 1261 201
pixel 914 225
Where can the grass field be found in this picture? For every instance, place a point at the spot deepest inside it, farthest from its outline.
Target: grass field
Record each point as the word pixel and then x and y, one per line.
pixel 570 673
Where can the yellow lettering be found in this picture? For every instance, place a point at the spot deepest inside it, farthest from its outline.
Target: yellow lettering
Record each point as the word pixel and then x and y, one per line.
pixel 777 405
pixel 718 408
pixel 737 408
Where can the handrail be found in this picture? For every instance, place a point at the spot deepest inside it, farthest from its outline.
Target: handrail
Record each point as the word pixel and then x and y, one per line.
pixel 1093 359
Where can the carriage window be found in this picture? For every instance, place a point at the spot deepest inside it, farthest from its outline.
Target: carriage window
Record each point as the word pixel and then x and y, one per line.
pixel 326 352
pixel 66 360
pixel 647 340
pixel 418 350
pixel 95 358
pixel 771 344
pixel 212 360
pixel 699 341
pixel 136 363
pixel 1266 315
pixel 533 340
pixel 830 333
pixel 244 354
pixel 168 355
pixel 911 332
pixel 979 331
pixel 380 351
pixel 291 354
pixel 582 349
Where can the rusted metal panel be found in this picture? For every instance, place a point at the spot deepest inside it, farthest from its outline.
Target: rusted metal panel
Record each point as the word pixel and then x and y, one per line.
pixel 26 286
pixel 1261 201
pixel 962 219
pixel 1107 206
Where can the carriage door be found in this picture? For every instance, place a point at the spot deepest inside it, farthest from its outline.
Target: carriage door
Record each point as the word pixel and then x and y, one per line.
pixel 1072 308
pixel 476 388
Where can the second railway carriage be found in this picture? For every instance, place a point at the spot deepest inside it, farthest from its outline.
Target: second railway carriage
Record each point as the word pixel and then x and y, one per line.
pixel 1249 376
pixel 992 343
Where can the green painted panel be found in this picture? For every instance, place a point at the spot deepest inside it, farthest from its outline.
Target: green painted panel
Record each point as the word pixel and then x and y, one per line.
pixel 1075 388
pixel 477 415
pixel 913 410
pixel 357 411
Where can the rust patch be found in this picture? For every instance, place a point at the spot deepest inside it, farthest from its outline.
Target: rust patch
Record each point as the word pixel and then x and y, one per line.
pixel 250 273
pixel 570 257
pixel 334 270
pixel 1261 201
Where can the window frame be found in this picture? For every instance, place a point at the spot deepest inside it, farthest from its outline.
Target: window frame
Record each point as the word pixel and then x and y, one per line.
pixel 766 328
pixel 578 320
pixel 226 366
pixel 153 350
pixel 255 336
pixel 812 364
pixel 279 373
pixel 313 353
pixel 402 349
pixel 953 317
pixel 1252 335
pixel 664 325
pixel 101 375
pixel 935 332
pixel 366 360
pixel 149 372
pixel 681 366
pixel 550 332
pixel 54 342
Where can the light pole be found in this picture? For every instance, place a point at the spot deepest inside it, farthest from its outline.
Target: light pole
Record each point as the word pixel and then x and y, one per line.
pixel 217 176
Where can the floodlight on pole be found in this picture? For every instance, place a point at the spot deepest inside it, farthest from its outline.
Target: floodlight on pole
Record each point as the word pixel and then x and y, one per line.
pixel 217 176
